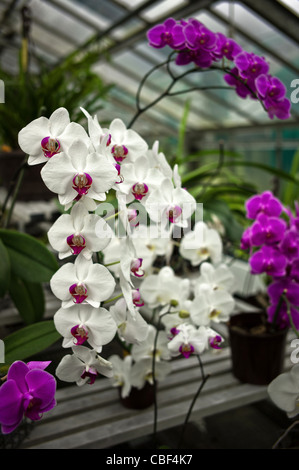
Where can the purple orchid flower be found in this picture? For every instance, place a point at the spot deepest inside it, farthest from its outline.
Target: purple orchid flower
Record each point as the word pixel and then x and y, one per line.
pixel 268 260
pixel 289 245
pixel 170 33
pixel 266 203
pixel 246 239
pixel 200 57
pixel 286 286
pixel 226 47
pixel 267 230
pixel 250 65
pixel 28 391
pixel 242 89
pixel 272 91
pixel 283 320
pixel 293 269
pixel 199 37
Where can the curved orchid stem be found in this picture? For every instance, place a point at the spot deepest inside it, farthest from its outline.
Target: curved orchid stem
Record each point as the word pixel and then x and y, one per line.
pixel 175 78
pixel 204 379
pixel 287 431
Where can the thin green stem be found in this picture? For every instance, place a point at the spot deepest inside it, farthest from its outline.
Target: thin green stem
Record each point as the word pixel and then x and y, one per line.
pixel 111 264
pixel 113 299
pixel 115 214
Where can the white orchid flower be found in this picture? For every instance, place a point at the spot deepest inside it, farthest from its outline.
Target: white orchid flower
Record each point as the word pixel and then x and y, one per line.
pixel 142 372
pixel 149 243
pixel 146 348
pixel 82 323
pixel 200 244
pixel 219 277
pixel 79 232
pixel 43 138
pixel 164 288
pixel 121 373
pixel 131 295
pixel 83 366
pixel 158 160
pixel 125 145
pixel 139 179
pixel 170 205
pixel 284 391
pixel 211 305
pixel 79 174
pixel 82 281
pixel 121 255
pixel 130 329
pixel 191 340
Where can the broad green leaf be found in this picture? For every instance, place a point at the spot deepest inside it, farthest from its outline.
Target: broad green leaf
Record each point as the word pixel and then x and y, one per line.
pixel 30 259
pixel 206 171
pixel 29 341
pixel 4 269
pixel 28 298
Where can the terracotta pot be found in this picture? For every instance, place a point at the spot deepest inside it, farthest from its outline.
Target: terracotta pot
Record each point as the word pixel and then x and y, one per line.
pixel 257 353
pixel 139 399
pixel 32 188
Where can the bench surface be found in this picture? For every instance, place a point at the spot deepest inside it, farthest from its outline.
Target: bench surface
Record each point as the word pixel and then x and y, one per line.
pixel 92 417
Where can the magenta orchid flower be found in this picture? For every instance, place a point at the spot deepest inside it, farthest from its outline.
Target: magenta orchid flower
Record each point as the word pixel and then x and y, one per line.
pixel 28 391
pixel 170 33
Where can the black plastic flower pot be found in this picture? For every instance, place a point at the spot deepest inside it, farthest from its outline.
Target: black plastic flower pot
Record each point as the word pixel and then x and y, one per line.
pixel 257 352
pixel 139 399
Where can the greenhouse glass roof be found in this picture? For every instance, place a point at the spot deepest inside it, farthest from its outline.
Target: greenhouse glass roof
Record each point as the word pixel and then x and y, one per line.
pixel 118 27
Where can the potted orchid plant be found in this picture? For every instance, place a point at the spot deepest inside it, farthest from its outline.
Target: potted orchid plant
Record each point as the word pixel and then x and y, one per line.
pixel 108 282
pixel 273 244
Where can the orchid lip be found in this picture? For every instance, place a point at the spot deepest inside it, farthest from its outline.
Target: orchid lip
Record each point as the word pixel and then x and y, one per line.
pixel 91 373
pixel 173 213
pixel 137 298
pixel 79 292
pixel 119 152
pixel 80 333
pixel 139 190
pixel 82 183
pixel 76 242
pixel 135 267
pixel 50 146
pixel 186 350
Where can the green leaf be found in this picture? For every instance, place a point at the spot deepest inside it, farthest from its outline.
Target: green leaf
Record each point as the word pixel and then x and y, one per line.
pixel 233 229
pixel 4 269
pixel 30 259
pixel 206 169
pixel 30 340
pixel 28 298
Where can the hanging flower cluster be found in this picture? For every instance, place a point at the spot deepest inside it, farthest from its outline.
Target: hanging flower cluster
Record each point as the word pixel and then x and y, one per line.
pixel 273 243
pixel 81 168
pixel 249 73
